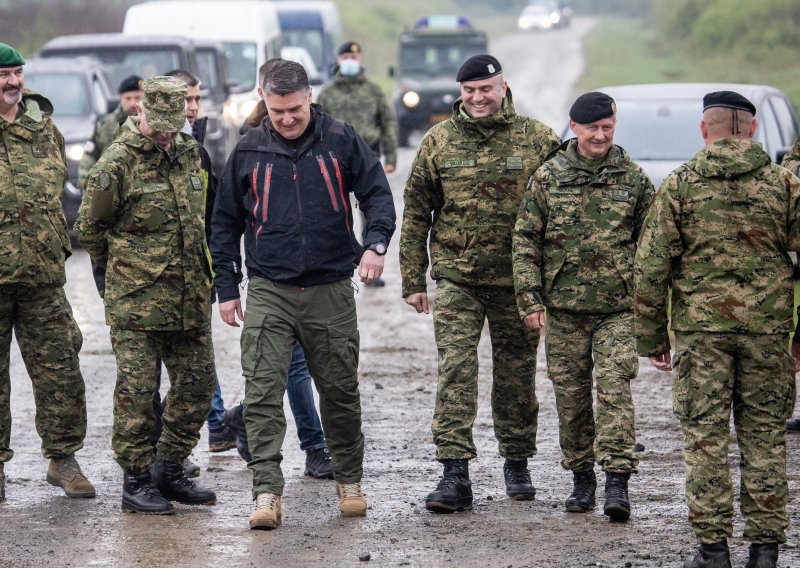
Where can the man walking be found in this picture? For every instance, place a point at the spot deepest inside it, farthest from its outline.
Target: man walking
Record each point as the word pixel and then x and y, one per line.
pixel 574 243
pixel 717 239
pixel 465 188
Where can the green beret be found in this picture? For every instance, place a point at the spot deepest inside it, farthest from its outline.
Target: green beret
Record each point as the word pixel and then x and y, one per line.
pixel 10 57
pixel 164 101
pixel 591 107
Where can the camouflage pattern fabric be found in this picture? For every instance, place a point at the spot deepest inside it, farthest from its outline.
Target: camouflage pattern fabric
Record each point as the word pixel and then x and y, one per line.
pixel 49 341
pixel 143 218
pixel 753 374
pixel 34 242
pixel 791 160
pixel 458 315
pixel 576 233
pixel 361 103
pixel 189 359
pixel 719 234
pixel 102 137
pixel 576 342
pixel 465 187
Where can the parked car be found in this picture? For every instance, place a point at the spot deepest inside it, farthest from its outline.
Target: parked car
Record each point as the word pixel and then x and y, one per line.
pixel 80 92
pixel 544 15
pixel 657 124
pixel 124 55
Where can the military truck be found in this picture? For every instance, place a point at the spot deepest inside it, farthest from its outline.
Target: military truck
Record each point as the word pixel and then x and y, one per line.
pixel 429 56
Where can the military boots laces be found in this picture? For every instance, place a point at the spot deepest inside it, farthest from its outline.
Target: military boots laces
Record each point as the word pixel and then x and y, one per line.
pixel 762 556
pixel 518 480
pixel 454 491
pixel 618 506
pixel 714 555
pixel 584 486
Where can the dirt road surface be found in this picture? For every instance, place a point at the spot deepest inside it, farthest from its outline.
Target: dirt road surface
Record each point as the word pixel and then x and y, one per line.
pixel 41 527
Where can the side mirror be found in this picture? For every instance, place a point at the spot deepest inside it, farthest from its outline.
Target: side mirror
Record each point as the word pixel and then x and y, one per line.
pixel 390 71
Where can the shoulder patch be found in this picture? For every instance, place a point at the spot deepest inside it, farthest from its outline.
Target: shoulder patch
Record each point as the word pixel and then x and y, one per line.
pixel 104 180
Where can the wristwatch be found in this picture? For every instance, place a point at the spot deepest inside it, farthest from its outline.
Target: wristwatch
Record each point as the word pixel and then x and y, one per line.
pixel 377 248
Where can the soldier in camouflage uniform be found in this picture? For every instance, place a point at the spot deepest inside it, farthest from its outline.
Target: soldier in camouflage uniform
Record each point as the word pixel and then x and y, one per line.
pixel 142 217
pixel 791 161
pixel 33 247
pixel 573 250
pixel 130 93
pixel 465 187
pixel 719 235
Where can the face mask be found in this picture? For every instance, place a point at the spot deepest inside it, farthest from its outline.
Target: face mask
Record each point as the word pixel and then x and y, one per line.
pixel 349 67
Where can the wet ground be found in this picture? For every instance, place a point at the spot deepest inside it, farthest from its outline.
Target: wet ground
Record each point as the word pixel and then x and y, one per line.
pixel 41 527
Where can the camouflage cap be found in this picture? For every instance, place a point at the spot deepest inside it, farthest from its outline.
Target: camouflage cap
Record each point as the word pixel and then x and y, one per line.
pixel 164 102
pixel 10 57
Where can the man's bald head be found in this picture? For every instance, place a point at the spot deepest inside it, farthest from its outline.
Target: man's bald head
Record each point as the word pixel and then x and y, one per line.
pixel 721 122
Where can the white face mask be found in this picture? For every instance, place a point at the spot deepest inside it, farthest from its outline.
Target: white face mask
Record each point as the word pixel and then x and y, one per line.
pixel 349 67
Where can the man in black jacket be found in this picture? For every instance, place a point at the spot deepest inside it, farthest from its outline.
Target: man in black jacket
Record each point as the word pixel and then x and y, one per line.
pixel 286 187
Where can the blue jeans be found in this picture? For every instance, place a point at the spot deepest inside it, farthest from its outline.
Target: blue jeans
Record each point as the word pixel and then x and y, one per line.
pixel 301 401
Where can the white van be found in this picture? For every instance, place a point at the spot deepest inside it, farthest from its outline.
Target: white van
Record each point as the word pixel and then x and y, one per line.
pixel 248 30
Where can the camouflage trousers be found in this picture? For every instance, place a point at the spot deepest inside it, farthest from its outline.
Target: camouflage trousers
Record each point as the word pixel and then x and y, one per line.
pixel 49 341
pixel 459 312
pixel 574 344
pixel 189 359
pixel 754 375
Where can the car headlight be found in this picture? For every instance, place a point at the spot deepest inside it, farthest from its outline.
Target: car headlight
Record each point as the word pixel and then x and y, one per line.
pixel 555 17
pixel 75 152
pixel 411 99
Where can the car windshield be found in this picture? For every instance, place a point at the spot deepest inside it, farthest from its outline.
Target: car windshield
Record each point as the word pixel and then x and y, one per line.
pixel 122 62
pixel 67 92
pixel 311 39
pixel 242 58
pixel 442 59
pixel 659 130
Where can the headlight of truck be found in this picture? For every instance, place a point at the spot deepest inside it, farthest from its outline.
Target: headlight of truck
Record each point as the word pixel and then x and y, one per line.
pixel 411 99
pixel 75 152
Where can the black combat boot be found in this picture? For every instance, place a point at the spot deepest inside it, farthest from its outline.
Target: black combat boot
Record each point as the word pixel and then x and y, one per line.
pixel 454 492
pixel 714 555
pixel 170 478
pixel 139 495
pixel 518 480
pixel 762 556
pixel 617 506
pixel 584 485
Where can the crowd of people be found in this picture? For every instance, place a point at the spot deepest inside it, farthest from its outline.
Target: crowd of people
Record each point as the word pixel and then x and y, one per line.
pixel 519 229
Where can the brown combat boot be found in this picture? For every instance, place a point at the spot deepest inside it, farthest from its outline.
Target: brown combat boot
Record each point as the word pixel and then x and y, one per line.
pixel 66 474
pixel 266 512
pixel 351 500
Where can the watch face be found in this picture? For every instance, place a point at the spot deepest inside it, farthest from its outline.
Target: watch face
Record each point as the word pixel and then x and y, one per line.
pixel 379 248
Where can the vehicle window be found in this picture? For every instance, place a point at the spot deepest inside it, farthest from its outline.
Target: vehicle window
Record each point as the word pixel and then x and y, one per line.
pixel 768 133
pixel 122 62
pixel 786 120
pixel 659 130
pixel 311 39
pixel 67 92
pixel 99 98
pixel 207 68
pixel 436 59
pixel 242 63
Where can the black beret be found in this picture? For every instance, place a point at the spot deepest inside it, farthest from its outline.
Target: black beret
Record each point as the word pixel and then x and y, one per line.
pixel 591 107
pixel 349 47
pixel 728 99
pixel 132 83
pixel 479 67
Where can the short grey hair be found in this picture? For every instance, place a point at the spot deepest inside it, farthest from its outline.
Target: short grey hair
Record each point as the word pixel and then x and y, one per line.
pixel 187 77
pixel 284 77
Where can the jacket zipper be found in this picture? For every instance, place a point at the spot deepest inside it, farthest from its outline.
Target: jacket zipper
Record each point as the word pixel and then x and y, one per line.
pixel 299 204
pixel 341 190
pixel 324 170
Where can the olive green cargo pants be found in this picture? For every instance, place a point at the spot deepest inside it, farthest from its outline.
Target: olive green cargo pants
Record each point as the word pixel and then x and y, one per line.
pixel 323 318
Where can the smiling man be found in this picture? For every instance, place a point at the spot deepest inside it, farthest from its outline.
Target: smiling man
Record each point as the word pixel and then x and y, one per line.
pixel 463 193
pixel 574 243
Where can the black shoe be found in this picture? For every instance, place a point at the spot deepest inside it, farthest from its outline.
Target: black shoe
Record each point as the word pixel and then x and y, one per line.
pixel 762 556
pixel 518 480
pixel 139 495
pixel 454 492
pixel 190 468
pixel 584 486
pixel 318 463
pixel 793 425
pixel 234 419
pixel 221 440
pixel 714 555
pixel 171 481
pixel 617 506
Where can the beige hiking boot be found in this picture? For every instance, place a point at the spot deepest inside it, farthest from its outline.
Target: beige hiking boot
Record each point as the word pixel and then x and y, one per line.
pixel 266 512
pixel 66 474
pixel 351 500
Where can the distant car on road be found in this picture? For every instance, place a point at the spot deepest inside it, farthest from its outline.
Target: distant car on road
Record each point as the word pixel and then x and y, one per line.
pixel 80 93
pixel 657 124
pixel 544 15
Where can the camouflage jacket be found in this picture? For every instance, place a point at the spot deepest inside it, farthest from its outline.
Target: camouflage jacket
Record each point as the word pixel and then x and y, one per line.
pixel 142 217
pixel 34 242
pixel 362 104
pixel 791 161
pixel 465 188
pixel 719 234
pixel 102 137
pixel 576 233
